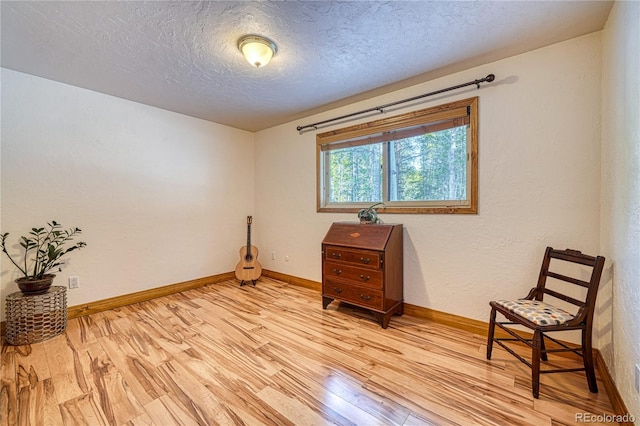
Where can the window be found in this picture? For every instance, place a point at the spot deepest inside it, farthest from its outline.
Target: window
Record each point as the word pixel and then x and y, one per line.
pixel 420 162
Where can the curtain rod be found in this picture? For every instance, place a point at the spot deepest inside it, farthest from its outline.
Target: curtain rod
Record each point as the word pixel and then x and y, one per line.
pixel 381 108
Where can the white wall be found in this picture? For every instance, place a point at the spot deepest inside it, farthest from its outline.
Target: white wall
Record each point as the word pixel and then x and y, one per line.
pixel 620 227
pixel 161 197
pixel 539 179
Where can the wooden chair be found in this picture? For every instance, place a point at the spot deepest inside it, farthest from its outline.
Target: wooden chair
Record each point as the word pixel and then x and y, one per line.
pixel 543 318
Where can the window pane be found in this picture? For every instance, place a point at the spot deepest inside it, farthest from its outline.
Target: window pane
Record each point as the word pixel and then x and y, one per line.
pixel 420 162
pixel 430 167
pixel 355 174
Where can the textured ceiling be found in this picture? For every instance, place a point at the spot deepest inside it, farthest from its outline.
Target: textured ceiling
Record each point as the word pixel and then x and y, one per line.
pixel 182 56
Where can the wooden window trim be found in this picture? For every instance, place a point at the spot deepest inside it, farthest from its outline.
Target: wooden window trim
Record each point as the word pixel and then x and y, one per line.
pixel 442 113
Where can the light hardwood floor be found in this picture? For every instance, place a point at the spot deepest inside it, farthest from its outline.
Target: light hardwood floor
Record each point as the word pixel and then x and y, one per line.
pixel 269 354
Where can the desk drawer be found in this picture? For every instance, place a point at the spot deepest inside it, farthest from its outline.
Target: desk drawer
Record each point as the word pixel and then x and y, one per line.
pixel 361 276
pixel 356 295
pixel 367 259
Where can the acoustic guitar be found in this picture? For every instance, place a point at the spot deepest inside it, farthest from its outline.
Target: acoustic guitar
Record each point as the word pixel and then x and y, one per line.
pixel 248 269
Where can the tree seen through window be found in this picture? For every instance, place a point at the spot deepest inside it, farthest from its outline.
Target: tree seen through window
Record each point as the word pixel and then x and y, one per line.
pixel 419 162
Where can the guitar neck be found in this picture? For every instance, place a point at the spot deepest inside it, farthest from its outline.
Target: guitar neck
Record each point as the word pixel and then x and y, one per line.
pixel 249 238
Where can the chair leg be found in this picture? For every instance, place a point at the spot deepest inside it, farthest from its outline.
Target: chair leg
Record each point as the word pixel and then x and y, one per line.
pixel 587 355
pixel 543 353
pixel 535 363
pixel 492 327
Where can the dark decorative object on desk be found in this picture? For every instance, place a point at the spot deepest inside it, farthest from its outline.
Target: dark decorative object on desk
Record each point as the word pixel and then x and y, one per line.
pixel 369 215
pixel 42 249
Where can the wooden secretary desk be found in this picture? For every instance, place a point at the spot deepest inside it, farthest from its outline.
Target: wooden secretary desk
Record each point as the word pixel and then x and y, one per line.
pixel 362 266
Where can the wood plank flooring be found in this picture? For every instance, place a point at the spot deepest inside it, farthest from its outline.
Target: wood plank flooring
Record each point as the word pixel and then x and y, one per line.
pixel 269 354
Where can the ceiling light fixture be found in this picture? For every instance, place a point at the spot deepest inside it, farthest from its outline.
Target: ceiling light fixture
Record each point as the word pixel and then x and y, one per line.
pixel 258 50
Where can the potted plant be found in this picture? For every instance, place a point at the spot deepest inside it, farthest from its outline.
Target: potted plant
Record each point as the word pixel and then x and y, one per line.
pixel 42 250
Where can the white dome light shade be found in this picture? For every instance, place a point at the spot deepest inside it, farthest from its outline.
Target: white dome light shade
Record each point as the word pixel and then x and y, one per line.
pixel 258 50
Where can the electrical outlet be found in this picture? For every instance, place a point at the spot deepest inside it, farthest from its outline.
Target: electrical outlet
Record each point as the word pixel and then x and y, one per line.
pixel 273 255
pixel 74 281
pixel 638 378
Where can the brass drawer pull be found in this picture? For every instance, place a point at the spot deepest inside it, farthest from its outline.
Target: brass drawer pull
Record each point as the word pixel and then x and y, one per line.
pixel 363 297
pixel 365 260
pixel 336 255
pixel 337 271
pixel 337 290
pixel 366 278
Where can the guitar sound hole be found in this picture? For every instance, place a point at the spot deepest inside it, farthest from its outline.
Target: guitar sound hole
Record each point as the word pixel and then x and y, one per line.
pixel 248 258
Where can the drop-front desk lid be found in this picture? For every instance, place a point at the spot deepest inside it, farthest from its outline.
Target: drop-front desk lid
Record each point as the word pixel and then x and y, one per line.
pixel 352 234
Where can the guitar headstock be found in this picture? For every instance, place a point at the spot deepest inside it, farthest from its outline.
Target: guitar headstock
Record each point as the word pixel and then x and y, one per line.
pixel 249 220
